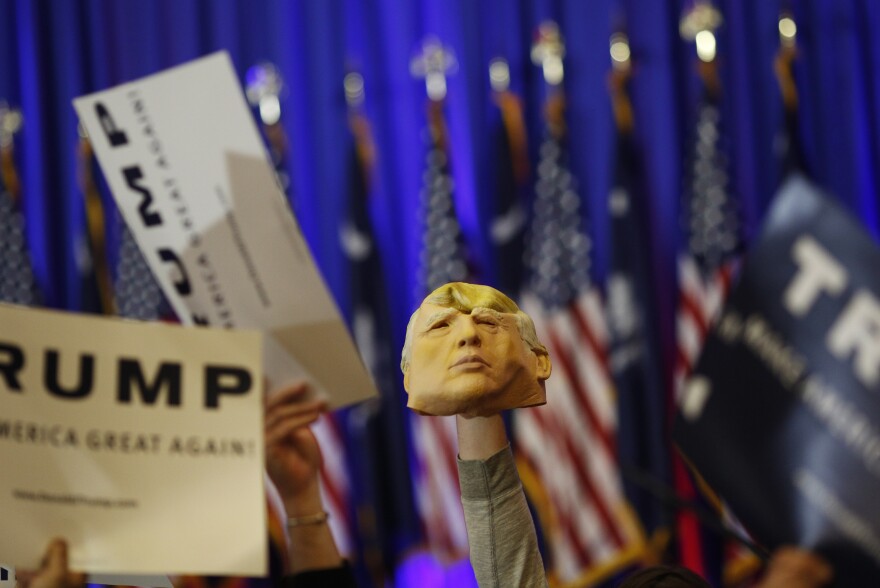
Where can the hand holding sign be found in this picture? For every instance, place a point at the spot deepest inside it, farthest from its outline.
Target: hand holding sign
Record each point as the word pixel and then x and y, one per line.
pixel 293 460
pixel 791 567
pixel 54 571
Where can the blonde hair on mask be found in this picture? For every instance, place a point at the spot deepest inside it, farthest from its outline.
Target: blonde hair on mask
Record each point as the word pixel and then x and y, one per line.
pixel 465 298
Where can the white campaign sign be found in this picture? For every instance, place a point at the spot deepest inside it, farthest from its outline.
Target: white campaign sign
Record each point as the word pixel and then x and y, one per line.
pixel 192 179
pixel 141 444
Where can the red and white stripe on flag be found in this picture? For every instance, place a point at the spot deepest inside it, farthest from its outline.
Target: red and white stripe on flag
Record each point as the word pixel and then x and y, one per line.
pixel 700 302
pixel 335 484
pixel 570 444
pixel 438 497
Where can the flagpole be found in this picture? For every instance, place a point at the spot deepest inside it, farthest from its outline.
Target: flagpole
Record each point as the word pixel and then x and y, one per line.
pixel 95 223
pixel 788 141
pixel 511 115
pixel 359 126
pixel 368 324
pixel 618 80
pixel 511 181
pixel 443 259
pixel 265 90
pixel 10 124
pixel 784 61
pixel 547 52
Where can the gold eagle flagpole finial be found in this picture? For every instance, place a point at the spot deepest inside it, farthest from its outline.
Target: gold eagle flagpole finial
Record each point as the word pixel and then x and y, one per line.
pixel 698 25
pixel 547 52
pixel 434 64
pixel 265 88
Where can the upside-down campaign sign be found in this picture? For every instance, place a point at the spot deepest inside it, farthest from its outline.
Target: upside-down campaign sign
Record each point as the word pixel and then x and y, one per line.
pixel 782 414
pixel 140 444
pixel 191 176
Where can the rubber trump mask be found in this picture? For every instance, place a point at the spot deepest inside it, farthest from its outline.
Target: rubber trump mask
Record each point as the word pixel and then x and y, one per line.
pixel 470 350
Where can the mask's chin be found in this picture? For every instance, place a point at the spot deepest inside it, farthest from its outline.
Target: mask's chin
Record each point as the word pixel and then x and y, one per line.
pixel 478 403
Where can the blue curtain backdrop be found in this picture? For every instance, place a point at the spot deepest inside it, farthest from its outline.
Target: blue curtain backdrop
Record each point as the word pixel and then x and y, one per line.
pixel 54 50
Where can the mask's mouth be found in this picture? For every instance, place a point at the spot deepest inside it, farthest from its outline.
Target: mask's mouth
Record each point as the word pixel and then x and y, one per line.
pixel 470 359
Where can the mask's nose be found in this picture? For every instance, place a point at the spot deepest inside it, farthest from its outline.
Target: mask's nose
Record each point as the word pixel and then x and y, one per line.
pixel 467 333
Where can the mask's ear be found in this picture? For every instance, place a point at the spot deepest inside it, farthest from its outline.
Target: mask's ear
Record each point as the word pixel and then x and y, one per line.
pixel 406 381
pixel 544 366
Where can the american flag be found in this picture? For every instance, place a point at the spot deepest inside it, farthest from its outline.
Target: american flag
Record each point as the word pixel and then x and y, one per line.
pixel 17 282
pixel 568 448
pixel 788 140
pixel 712 230
pixel 138 294
pixel 706 268
pixel 443 259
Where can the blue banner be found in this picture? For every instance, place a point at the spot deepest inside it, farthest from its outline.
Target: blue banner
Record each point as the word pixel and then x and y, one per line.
pixel 782 413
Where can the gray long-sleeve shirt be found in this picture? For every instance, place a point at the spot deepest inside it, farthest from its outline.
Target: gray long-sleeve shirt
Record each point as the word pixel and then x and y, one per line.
pixel 501 533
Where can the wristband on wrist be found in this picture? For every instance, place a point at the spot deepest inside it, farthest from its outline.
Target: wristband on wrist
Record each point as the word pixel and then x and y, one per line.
pixel 312 519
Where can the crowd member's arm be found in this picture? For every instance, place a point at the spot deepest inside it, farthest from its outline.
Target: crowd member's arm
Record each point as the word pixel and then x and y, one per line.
pixel 53 572
pixel 293 461
pixel 503 542
pixel 792 567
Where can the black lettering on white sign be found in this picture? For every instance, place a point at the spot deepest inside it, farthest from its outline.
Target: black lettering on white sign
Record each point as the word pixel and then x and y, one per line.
pixel 132 379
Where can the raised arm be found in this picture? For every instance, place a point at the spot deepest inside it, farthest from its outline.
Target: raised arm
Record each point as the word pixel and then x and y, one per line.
pixel 293 461
pixel 503 542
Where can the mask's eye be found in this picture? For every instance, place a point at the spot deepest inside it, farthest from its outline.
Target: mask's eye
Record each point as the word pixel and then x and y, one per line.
pixel 488 321
pixel 438 325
